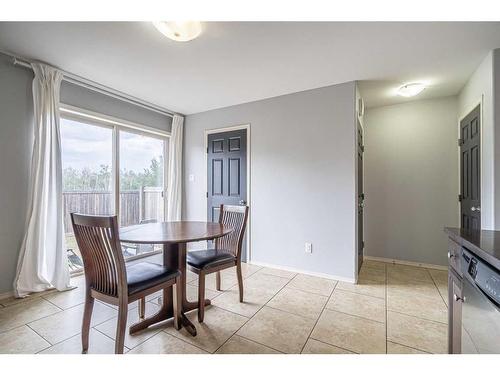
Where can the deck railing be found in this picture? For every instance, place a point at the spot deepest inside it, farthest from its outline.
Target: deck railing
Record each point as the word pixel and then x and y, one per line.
pixel 135 205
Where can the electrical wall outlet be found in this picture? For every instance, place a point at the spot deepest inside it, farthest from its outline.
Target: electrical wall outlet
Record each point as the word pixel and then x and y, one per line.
pixel 309 247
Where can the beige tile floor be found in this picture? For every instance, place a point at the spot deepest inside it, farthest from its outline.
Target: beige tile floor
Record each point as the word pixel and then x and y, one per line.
pixel 393 309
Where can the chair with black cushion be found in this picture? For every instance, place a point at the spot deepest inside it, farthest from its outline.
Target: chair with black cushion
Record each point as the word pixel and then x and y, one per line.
pixel 109 279
pixel 226 254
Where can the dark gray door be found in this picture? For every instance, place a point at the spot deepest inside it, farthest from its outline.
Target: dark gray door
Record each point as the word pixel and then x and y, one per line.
pixel 470 170
pixel 361 196
pixel 227 172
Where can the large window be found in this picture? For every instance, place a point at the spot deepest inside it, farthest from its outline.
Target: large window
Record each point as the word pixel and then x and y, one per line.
pixel 87 160
pixel 141 178
pixel 111 167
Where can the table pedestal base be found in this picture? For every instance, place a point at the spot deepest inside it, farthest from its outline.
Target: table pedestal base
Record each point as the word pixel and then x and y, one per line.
pixel 174 257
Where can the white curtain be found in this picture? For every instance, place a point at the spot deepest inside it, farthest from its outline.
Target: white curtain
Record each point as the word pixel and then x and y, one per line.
pixel 43 262
pixel 174 180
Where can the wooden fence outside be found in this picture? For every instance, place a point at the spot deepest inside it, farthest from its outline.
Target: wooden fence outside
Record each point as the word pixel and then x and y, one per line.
pixel 135 205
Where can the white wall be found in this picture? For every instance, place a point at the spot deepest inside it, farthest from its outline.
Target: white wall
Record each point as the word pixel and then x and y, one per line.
pixel 302 177
pixel 411 179
pixel 479 89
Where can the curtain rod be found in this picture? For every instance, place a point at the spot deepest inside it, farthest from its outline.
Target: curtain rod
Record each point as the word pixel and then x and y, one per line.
pixel 94 86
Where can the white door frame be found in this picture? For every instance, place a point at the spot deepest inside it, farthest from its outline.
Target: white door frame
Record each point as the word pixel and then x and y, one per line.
pixel 249 174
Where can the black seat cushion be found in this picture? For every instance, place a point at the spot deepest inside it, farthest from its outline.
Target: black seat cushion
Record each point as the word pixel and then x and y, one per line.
pixel 208 258
pixel 144 275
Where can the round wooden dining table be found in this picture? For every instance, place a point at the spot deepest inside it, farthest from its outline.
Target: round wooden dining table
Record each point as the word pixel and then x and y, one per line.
pixel 173 236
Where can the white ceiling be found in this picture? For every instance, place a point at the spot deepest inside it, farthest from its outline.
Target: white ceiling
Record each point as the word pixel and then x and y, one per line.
pixel 238 62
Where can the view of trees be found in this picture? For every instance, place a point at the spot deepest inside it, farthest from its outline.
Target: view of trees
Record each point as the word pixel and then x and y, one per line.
pixel 91 180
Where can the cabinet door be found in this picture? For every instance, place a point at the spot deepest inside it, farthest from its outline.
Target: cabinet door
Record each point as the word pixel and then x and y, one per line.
pixel 455 256
pixel 455 298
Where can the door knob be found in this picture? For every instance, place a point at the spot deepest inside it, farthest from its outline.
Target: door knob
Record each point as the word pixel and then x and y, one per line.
pixel 478 209
pixel 243 202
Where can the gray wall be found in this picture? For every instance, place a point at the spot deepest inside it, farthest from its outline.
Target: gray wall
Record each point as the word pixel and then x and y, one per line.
pixel 411 179
pixel 479 89
pixel 79 96
pixel 16 142
pixel 496 122
pixel 16 139
pixel 302 177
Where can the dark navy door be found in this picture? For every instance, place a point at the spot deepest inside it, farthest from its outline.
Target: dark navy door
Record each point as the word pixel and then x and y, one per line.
pixel 227 172
pixel 470 171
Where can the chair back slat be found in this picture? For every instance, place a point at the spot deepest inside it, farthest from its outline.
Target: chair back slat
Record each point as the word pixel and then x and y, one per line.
pixel 99 244
pixel 236 218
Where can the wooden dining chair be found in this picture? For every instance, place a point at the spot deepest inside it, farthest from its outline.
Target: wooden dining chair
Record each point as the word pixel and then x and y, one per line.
pixel 109 279
pixel 226 254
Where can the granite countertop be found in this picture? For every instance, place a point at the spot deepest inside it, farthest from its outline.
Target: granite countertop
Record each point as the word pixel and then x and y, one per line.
pixel 483 243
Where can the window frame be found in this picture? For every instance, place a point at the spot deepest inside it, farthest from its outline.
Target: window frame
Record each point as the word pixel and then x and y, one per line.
pixel 116 125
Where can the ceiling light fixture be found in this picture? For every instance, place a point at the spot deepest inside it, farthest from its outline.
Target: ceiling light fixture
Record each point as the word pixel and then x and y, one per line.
pixel 182 31
pixel 411 89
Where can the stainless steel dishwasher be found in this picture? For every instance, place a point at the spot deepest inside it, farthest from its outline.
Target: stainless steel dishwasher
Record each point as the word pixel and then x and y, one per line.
pixel 481 306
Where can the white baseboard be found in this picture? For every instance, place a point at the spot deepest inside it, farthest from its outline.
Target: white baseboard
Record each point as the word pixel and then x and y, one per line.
pixel 5 295
pixel 11 293
pixel 317 274
pixel 406 263
pixel 290 269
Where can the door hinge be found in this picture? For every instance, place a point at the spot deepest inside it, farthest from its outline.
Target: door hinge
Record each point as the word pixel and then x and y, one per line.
pixel 362 244
pixel 460 197
pixel 460 141
pixel 207 194
pixel 207 150
pixel 362 148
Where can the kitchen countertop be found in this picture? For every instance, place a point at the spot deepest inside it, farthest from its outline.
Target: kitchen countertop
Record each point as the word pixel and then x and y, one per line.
pixel 483 243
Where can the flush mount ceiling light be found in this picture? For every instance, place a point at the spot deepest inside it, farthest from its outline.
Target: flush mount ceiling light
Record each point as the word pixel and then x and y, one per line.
pixel 182 31
pixel 411 89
